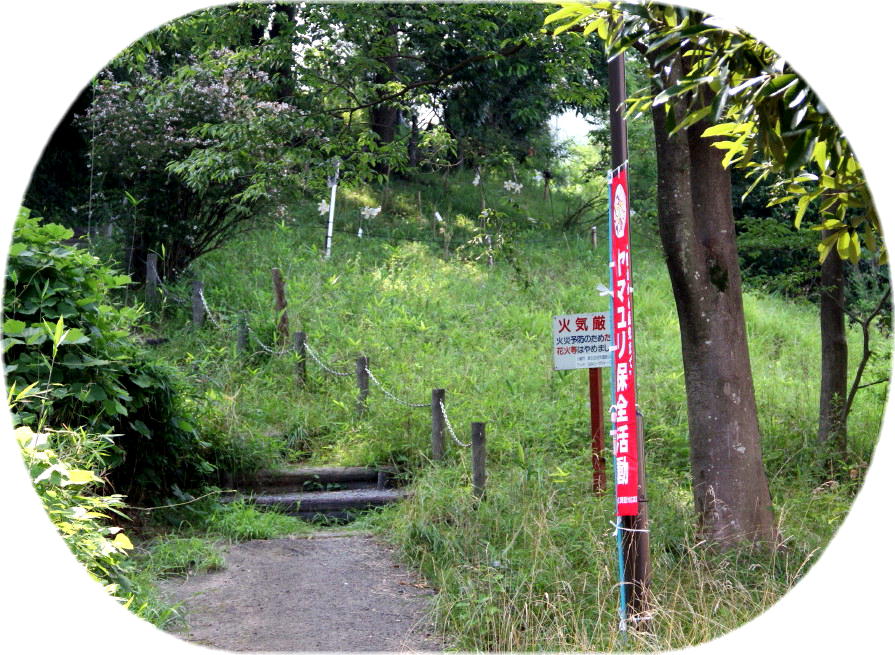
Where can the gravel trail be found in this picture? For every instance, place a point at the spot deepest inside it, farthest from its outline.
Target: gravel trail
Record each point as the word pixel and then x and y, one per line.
pixel 337 592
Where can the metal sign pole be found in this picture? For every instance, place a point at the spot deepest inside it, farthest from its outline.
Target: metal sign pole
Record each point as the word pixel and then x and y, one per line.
pixel 597 429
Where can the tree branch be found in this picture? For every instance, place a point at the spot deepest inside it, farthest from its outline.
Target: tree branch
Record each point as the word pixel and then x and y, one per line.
pixel 866 354
pixel 509 51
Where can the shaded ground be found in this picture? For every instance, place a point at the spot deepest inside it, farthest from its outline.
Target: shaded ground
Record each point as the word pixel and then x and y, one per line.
pixel 327 592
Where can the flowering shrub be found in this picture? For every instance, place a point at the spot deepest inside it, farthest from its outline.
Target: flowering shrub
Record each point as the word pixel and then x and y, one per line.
pixel 199 147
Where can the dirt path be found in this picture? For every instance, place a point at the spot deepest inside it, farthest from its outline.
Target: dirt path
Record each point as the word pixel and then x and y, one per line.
pixel 329 592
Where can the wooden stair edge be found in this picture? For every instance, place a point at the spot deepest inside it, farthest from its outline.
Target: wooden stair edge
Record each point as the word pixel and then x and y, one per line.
pixel 297 476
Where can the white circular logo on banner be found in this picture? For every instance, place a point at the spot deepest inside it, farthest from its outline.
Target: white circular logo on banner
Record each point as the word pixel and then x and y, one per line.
pixel 619 211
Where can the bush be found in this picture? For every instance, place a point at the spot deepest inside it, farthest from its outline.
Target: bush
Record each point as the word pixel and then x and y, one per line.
pixel 62 329
pixel 80 516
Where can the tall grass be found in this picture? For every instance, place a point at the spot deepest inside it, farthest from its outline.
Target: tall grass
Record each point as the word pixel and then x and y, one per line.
pixel 533 567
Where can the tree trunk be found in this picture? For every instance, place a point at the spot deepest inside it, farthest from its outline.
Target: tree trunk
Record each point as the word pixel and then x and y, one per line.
pixel 384 115
pixel 730 488
pixel 831 431
pixel 413 145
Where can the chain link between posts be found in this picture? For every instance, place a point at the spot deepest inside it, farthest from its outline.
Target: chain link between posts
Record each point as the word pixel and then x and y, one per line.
pixel 328 369
pixel 450 428
pixel 390 394
pixel 320 363
pixel 217 324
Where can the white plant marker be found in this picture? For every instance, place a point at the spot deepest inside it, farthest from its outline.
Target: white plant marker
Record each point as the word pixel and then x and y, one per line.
pixel 333 183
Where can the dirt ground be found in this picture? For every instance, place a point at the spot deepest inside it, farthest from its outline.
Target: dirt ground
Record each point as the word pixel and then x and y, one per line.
pixel 328 592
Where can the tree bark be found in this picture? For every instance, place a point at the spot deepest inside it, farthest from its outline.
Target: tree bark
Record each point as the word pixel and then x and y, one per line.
pixel 384 115
pixel 696 226
pixel 834 355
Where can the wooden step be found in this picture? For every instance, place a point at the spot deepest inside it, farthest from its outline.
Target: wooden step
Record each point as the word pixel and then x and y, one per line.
pixel 342 504
pixel 303 479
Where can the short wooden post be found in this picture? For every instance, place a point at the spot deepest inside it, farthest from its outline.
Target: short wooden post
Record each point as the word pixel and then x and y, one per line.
pixel 363 384
pixel 593 237
pixel 301 369
pixel 478 460
pixel 242 334
pixel 153 297
pixel 437 425
pixel 279 306
pixel 198 305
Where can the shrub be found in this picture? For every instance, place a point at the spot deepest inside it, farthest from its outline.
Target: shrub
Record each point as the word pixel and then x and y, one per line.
pixel 62 329
pixel 78 514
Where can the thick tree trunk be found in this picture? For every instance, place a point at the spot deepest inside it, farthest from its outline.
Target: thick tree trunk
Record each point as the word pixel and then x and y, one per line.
pixel 730 488
pixel 834 356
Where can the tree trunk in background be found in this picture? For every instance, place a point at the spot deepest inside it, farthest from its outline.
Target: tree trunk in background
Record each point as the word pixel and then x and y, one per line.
pixel 730 488
pixel 834 356
pixel 413 145
pixel 384 116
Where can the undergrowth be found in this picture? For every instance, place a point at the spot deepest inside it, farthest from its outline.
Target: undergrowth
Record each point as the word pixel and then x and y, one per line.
pixel 533 566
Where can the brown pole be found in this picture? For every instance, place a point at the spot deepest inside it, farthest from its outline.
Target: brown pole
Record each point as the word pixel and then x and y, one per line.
pixel 437 425
pixel 301 369
pixel 597 429
pixel 242 334
pixel 478 460
pixel 363 383
pixel 635 539
pixel 279 306
pixel 198 305
pixel 152 281
pixel 635 544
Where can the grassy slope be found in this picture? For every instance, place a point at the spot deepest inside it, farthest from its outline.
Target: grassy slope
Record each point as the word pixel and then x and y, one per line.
pixel 534 566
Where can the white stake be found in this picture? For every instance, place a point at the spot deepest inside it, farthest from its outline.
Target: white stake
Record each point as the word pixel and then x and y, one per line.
pixel 333 184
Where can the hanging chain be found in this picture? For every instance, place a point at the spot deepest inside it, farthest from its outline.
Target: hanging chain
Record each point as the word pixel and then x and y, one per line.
pixel 326 368
pixel 208 310
pixel 266 348
pixel 390 394
pixel 450 428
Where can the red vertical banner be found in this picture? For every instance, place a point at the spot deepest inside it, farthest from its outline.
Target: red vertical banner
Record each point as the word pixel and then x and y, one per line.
pixel 624 401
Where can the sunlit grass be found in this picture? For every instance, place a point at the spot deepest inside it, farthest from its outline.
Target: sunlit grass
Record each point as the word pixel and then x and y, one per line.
pixel 531 568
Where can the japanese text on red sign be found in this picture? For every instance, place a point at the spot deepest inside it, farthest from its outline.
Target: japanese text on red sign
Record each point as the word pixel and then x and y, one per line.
pixel 582 341
pixel 624 401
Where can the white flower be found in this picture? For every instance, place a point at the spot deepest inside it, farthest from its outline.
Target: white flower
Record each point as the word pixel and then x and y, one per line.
pixel 438 217
pixel 360 232
pixel 512 187
pixel 323 207
pixel 476 179
pixel 370 212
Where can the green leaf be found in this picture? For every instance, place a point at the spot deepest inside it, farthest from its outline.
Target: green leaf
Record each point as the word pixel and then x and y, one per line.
pixel 843 244
pixel 12 327
pixel 81 476
pixel 804 201
pixel 122 541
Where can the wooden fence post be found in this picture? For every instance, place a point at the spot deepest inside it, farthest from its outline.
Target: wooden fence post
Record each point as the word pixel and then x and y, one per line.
pixel 198 305
pixel 301 369
pixel 593 237
pixel 437 425
pixel 279 306
pixel 363 384
pixel 152 280
pixel 242 334
pixel 478 460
